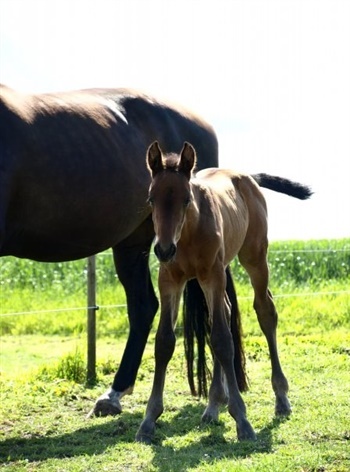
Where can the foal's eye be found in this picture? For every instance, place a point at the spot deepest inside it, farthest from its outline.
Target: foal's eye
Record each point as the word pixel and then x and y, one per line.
pixel 150 201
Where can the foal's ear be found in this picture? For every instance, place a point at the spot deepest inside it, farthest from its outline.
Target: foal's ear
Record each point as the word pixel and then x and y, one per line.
pixel 188 159
pixel 154 158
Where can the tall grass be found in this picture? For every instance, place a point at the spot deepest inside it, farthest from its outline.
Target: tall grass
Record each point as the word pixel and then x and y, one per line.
pixel 305 262
pixel 290 261
pixel 36 288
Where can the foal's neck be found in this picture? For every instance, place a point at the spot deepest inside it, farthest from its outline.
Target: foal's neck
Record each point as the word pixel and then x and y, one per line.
pixel 192 214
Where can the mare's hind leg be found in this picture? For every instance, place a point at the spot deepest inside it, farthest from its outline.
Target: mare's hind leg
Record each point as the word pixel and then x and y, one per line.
pixel 131 260
pixel 164 348
pixel 254 261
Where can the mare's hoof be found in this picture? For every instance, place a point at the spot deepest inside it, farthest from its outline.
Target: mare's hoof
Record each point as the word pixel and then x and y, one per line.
pixel 107 404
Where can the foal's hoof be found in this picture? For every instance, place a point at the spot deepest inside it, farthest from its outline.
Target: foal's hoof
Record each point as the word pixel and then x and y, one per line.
pixel 144 439
pixel 282 407
pixel 245 432
pixel 107 404
pixel 210 415
pixel 145 434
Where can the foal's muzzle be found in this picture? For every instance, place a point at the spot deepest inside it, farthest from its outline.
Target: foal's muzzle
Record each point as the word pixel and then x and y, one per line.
pixel 165 255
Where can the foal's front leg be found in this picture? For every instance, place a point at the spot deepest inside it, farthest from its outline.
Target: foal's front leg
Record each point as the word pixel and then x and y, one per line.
pixel 164 348
pixel 223 348
pixel 218 394
pixel 222 344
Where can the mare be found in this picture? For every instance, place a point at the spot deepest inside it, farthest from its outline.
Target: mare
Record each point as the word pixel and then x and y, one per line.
pixel 201 224
pixel 73 182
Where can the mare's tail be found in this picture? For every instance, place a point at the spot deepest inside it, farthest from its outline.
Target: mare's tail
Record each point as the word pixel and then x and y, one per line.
pixel 282 185
pixel 196 325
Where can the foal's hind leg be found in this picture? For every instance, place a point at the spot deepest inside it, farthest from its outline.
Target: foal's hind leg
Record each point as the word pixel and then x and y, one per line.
pixel 255 262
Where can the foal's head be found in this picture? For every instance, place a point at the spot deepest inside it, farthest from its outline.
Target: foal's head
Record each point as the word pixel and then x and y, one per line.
pixel 169 195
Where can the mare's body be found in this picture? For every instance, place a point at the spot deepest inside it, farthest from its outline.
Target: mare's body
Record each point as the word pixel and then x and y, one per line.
pixel 73 182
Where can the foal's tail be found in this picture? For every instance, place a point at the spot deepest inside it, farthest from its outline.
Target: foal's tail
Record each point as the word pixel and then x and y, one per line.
pixel 196 324
pixel 282 185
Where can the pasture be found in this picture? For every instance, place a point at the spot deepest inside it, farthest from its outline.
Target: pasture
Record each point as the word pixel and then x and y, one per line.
pixel 44 400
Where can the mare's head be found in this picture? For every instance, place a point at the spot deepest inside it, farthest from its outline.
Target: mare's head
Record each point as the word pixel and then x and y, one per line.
pixel 169 195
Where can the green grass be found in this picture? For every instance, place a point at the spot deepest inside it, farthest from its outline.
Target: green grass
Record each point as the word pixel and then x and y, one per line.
pixel 42 410
pixel 44 426
pixel 298 261
pixel 37 290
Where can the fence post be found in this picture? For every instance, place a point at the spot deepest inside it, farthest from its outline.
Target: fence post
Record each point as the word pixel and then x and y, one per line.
pixel 91 320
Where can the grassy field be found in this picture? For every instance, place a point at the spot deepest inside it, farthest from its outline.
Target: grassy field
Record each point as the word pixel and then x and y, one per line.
pixel 44 400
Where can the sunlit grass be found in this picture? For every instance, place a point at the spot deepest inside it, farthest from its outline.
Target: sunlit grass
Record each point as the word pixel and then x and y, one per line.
pixel 44 400
pixel 43 421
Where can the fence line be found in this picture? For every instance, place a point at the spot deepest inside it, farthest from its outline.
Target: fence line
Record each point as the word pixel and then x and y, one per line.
pixel 92 307
pixel 123 305
pixel 270 251
pixel 286 251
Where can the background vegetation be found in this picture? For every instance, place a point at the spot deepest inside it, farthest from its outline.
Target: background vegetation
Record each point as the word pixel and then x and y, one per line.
pixel 44 400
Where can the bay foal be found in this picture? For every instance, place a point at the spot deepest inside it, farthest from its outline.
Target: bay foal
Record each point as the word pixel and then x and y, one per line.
pixel 201 224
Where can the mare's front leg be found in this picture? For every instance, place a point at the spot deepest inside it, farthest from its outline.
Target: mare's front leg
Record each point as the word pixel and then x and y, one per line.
pixel 131 258
pixel 255 262
pixel 170 295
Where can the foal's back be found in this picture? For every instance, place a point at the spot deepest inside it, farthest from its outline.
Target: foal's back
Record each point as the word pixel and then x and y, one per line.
pixel 236 204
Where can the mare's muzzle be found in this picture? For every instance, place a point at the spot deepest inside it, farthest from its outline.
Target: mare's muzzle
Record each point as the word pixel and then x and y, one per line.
pixel 165 255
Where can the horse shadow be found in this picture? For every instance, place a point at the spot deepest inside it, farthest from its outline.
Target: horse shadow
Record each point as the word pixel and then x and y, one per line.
pixel 206 448
pixel 97 437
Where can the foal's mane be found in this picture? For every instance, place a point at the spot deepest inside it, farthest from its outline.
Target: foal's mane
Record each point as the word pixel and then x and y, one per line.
pixel 171 162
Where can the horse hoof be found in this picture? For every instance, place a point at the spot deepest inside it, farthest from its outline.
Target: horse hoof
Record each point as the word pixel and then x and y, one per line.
pixel 210 416
pixel 143 438
pixel 208 419
pixel 107 404
pixel 145 434
pixel 245 432
pixel 283 407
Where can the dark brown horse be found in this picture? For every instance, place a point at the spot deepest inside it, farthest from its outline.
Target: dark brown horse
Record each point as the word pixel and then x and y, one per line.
pixel 73 182
pixel 201 224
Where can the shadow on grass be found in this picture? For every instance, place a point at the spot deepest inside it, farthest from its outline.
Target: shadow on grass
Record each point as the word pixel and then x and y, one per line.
pixel 94 439
pixel 210 447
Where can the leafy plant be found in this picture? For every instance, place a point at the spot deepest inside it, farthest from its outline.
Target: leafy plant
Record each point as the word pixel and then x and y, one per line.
pixel 72 367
